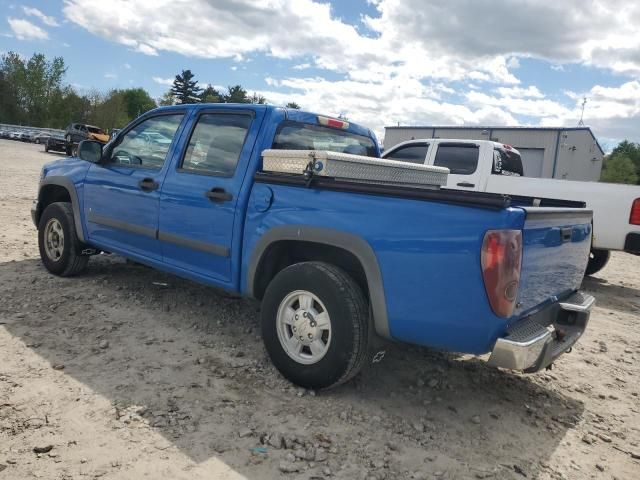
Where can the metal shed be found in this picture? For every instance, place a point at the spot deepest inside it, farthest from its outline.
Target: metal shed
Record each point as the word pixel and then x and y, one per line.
pixel 547 152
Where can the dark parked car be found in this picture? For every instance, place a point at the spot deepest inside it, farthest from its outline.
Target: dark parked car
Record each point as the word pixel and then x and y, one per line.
pixel 55 142
pixel 26 137
pixel 41 137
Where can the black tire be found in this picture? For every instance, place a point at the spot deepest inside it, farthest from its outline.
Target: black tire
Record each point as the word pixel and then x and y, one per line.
pixel 70 262
pixel 46 148
pixel 348 311
pixel 598 259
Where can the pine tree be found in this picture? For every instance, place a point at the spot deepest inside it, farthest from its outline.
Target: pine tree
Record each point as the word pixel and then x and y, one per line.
pixel 211 95
pixel 185 89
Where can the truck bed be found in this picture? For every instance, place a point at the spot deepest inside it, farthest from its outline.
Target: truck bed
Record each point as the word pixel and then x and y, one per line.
pixel 431 274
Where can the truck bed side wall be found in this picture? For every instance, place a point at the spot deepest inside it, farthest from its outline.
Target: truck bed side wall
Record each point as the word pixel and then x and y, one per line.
pixel 428 254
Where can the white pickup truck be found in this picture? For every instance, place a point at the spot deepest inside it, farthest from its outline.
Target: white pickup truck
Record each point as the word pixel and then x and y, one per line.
pixel 488 166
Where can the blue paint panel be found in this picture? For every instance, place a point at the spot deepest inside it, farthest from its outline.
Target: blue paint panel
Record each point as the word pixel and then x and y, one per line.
pixel 430 262
pixel 551 266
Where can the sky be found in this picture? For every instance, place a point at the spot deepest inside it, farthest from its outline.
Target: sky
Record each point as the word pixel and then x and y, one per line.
pixel 377 62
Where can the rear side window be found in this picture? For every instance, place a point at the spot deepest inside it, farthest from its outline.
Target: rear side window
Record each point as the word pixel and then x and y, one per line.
pixel 216 143
pixel 507 162
pixel 410 154
pixel 460 159
pixel 303 136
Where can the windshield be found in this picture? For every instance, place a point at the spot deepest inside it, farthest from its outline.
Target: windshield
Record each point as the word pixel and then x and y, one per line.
pixel 303 136
pixel 507 162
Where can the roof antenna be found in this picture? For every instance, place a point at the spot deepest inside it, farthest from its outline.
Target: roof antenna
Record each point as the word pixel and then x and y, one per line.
pixel 581 122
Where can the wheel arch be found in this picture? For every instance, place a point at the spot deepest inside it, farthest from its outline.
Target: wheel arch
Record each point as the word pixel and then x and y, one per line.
pixel 59 189
pixel 285 245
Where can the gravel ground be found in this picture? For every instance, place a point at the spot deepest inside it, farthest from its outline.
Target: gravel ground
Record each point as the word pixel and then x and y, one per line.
pixel 128 373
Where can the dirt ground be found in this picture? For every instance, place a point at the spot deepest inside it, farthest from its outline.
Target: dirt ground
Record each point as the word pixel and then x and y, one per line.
pixel 129 373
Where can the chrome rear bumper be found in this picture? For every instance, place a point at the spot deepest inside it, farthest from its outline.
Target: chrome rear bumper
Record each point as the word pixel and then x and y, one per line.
pixel 536 341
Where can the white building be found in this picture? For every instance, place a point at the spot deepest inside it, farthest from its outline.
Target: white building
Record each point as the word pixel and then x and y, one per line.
pixel 569 153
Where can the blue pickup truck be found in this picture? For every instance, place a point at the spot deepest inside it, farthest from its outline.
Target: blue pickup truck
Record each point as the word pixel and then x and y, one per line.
pixel 334 261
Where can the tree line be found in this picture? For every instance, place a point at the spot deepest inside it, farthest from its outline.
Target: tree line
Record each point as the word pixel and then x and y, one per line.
pixel 185 89
pixel 33 93
pixel 623 164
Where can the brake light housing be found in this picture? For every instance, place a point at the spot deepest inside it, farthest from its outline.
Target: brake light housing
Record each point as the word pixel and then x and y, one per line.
pixel 501 262
pixel 333 122
pixel 634 217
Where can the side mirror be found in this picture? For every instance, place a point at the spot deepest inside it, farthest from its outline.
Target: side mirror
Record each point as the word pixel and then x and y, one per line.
pixel 90 150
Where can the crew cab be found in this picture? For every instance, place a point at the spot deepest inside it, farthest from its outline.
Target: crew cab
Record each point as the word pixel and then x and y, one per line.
pixel 333 259
pixel 486 166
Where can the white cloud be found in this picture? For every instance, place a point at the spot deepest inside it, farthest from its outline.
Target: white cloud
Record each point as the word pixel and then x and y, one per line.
pixel 419 53
pixel 406 101
pixel 127 66
pixel 110 76
pixel 612 112
pixel 163 81
pixel 236 29
pixel 47 20
pixel 25 30
pixel 519 92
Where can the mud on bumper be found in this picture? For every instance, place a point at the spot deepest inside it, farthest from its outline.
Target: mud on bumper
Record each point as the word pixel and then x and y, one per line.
pixel 534 342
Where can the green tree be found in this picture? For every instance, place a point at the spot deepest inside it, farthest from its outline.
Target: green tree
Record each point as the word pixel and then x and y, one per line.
pixel 293 105
pixel 236 94
pixel 211 95
pixel 27 87
pixel 631 151
pixel 167 99
pixel 137 101
pixel 13 71
pixel 185 89
pixel 618 169
pixel 258 99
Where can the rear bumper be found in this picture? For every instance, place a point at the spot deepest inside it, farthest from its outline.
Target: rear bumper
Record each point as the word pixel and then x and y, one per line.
pixel 632 243
pixel 534 342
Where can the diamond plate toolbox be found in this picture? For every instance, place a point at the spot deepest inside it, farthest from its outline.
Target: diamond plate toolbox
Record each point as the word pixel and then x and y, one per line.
pixel 352 167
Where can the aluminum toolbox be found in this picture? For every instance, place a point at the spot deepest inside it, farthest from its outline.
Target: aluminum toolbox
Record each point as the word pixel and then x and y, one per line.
pixel 352 167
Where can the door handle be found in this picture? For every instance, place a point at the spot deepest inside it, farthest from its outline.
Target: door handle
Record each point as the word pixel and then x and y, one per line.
pixel 466 184
pixel 148 185
pixel 218 195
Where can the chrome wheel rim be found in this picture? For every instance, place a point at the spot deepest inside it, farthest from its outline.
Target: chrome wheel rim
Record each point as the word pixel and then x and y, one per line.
pixel 53 239
pixel 304 327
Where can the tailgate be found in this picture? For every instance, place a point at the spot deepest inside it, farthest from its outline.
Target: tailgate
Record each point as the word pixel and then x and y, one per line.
pixel 556 244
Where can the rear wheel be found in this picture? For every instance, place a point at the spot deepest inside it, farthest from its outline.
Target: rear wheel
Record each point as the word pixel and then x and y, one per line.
pixel 60 248
pixel 598 259
pixel 315 325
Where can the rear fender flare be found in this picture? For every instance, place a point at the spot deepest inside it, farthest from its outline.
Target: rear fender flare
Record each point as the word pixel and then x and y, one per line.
pixel 346 241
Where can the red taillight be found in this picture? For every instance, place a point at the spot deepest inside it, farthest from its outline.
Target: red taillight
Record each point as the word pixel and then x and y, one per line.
pixel 507 147
pixel 501 260
pixel 634 218
pixel 333 122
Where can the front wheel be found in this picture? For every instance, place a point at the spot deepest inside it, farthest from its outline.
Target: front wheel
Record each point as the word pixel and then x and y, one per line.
pixel 598 259
pixel 58 242
pixel 315 325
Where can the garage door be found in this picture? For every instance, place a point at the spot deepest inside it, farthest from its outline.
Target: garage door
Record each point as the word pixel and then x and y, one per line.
pixel 532 159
